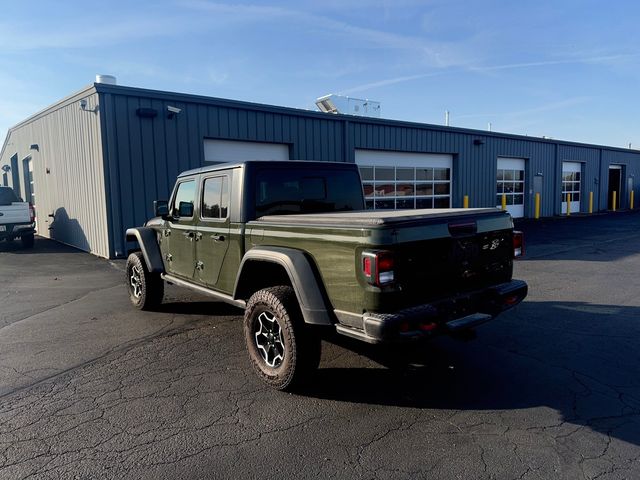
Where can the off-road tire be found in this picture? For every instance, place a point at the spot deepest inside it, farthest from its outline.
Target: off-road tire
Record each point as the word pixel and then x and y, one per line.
pixel 148 291
pixel 27 241
pixel 302 349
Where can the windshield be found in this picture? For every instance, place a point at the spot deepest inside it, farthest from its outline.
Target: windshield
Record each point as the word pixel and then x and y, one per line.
pixel 7 196
pixel 303 190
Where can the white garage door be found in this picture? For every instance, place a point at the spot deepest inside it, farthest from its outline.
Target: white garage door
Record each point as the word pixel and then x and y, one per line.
pixel 399 180
pixel 571 185
pixel 234 151
pixel 510 183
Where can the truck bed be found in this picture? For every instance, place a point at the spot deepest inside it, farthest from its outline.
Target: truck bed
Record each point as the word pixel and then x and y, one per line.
pixel 371 218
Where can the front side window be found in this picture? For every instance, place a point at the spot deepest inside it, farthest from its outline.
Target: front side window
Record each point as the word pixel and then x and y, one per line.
pixel 186 193
pixel 215 198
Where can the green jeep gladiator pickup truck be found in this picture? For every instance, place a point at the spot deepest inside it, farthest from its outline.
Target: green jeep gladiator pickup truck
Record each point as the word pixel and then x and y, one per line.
pixel 292 244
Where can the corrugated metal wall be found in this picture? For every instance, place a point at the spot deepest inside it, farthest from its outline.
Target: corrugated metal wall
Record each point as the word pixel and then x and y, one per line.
pixel 144 155
pixel 630 168
pixel 68 172
pixel 475 164
pixel 590 182
pixel 97 200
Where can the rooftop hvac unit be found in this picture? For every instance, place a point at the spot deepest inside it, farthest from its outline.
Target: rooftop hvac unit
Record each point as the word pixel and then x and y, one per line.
pixel 351 106
pixel 106 79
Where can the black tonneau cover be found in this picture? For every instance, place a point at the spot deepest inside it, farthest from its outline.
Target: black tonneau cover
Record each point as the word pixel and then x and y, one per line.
pixel 374 218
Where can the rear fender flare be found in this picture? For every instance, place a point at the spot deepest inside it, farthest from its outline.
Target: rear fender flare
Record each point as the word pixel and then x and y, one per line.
pixel 309 291
pixel 146 238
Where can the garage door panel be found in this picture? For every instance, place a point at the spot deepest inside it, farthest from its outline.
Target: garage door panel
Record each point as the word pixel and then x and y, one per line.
pixel 510 181
pixel 236 151
pixel 402 159
pixel 401 180
pixel 571 181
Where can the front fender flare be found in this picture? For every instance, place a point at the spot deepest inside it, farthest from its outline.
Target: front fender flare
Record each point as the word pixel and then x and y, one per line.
pixel 146 238
pixel 307 287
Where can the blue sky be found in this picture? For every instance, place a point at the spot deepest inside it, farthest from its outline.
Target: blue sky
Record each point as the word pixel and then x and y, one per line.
pixel 565 69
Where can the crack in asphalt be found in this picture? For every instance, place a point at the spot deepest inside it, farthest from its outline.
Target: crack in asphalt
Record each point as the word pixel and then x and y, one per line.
pixel 60 305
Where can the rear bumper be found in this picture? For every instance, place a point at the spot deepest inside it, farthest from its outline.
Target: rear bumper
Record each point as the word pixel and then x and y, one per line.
pixel 15 230
pixel 448 315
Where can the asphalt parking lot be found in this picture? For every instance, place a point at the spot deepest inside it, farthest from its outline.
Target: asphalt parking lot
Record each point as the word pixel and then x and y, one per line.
pixel 90 388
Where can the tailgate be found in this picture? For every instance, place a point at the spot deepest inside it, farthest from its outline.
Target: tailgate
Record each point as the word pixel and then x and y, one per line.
pixel 15 213
pixel 469 254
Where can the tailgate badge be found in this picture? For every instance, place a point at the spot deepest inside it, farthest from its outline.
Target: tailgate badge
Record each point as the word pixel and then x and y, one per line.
pixel 492 246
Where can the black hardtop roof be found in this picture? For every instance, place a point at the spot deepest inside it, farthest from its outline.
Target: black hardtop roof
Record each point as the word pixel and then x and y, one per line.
pixel 274 163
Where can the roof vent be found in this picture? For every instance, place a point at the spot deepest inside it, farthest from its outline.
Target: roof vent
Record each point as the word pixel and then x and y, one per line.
pixel 106 79
pixel 351 106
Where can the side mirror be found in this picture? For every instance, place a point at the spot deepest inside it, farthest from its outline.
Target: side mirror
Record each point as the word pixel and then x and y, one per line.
pixel 185 209
pixel 161 208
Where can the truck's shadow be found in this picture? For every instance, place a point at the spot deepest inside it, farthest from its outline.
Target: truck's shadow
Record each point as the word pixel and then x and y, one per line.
pixel 42 246
pixel 581 360
pixel 199 308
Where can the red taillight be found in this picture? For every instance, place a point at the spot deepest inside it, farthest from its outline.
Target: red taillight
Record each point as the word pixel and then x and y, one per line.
pixel 511 300
pixel 428 327
pixel 378 267
pixel 385 261
pixel 32 213
pixel 367 266
pixel 518 244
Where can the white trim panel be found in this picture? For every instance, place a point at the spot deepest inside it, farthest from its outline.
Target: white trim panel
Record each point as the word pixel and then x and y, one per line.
pixel 236 151
pixel 403 159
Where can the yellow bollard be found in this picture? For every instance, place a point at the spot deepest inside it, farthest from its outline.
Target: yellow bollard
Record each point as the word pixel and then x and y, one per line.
pixel 537 211
pixel 465 201
pixel 631 200
pixel 504 202
pixel 568 204
pixel 615 194
pixel 590 202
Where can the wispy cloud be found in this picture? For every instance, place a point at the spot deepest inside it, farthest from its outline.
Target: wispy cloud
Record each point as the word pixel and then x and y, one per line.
pixel 440 54
pixel 85 33
pixel 547 107
pixel 546 63
pixel 392 81
pixel 490 68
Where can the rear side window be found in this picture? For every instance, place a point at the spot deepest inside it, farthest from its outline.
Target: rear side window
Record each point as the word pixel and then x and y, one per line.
pixel 215 198
pixel 7 196
pixel 302 190
pixel 186 193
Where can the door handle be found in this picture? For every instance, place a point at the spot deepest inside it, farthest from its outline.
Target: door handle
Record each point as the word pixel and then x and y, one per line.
pixel 198 236
pixel 218 238
pixel 189 235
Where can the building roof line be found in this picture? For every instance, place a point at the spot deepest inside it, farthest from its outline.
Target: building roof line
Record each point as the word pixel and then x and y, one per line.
pixel 194 98
pixel 51 108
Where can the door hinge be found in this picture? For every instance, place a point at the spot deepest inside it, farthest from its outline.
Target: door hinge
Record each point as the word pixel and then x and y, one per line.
pixel 199 266
pixel 168 257
pixel 167 232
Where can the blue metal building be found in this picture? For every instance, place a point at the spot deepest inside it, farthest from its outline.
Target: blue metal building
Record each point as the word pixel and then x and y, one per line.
pixel 94 162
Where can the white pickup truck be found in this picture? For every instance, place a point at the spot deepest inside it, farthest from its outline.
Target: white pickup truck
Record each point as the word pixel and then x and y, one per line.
pixel 17 218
